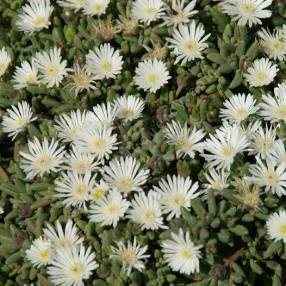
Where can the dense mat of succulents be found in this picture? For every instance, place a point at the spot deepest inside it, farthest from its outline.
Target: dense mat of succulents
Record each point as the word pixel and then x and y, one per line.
pixel 142 142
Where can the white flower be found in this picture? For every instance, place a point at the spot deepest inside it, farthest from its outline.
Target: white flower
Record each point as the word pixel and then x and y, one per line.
pixel 72 4
pixel 95 7
pixel 130 255
pixel 103 115
pixel 276 226
pixel 51 67
pixel 74 189
pixel 274 108
pixel 147 11
pixel 178 13
pixel 5 60
pixel 274 45
pixel 80 163
pixel 278 152
pixel 217 180
pixel 227 142
pixel 188 42
pixel 125 175
pixel 81 79
pixel 272 176
pixel 247 12
pixel 251 128
pixel 109 209
pixel 35 16
pixel 25 75
pixel 17 119
pixel 43 157
pixel 151 75
pixel 238 107
pixel 146 210
pixel 263 141
pixel 98 141
pixel 262 72
pixel 99 191
pixel 40 253
pixel 181 254
pixel 70 125
pixel 104 62
pixel 187 141
pixel 63 238
pixel 71 266
pixel 129 107
pixel 176 192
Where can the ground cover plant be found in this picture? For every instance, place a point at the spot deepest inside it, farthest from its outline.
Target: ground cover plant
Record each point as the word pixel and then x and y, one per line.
pixel 142 142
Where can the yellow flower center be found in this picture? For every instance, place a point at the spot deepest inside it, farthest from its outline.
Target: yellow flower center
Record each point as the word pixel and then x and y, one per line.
pixel 62 243
pixel 98 144
pixel 264 144
pixel 81 80
pixel 278 45
pixel 111 209
pixel 20 122
pixel 30 77
pixel 281 112
pixel 76 270
pixel 124 184
pixel 149 10
pixel 2 68
pixel 80 191
pixel 186 253
pixel 282 229
pixel 52 70
pixel 152 77
pixel 272 178
pixel 97 7
pixel 39 21
pixel 81 166
pixel 43 162
pixel 216 185
pixel 44 254
pixel 126 112
pixel 248 8
pixel 98 193
pixel 227 151
pixel 149 216
pixel 128 256
pixel 177 201
pixel 191 46
pixel 184 143
pixel 105 66
pixel 261 76
pixel 241 113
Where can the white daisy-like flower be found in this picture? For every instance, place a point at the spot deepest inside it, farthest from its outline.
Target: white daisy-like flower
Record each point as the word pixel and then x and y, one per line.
pixel 278 152
pixel 146 210
pixel 151 75
pixel 130 255
pixel 181 253
pixel 98 141
pixel 270 175
pixel 70 125
pixel 63 238
pixel 188 42
pixel 99 191
pixel 176 192
pixel 274 108
pixel 25 75
pixel 103 115
pixel 227 142
pixel 125 175
pixel 51 67
pixel 5 60
pixel 81 79
pixel 262 72
pixel 109 209
pixel 216 180
pixel 72 4
pixel 17 119
pixel 147 11
pixel 95 7
pixel 273 44
pixel 43 157
pixel 263 141
pixel 187 141
pixel 276 226
pixel 251 128
pixel 247 12
pixel 80 163
pixel 35 16
pixel 73 189
pixel 129 107
pixel 180 12
pixel 71 266
pixel 238 107
pixel 40 253
pixel 104 62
